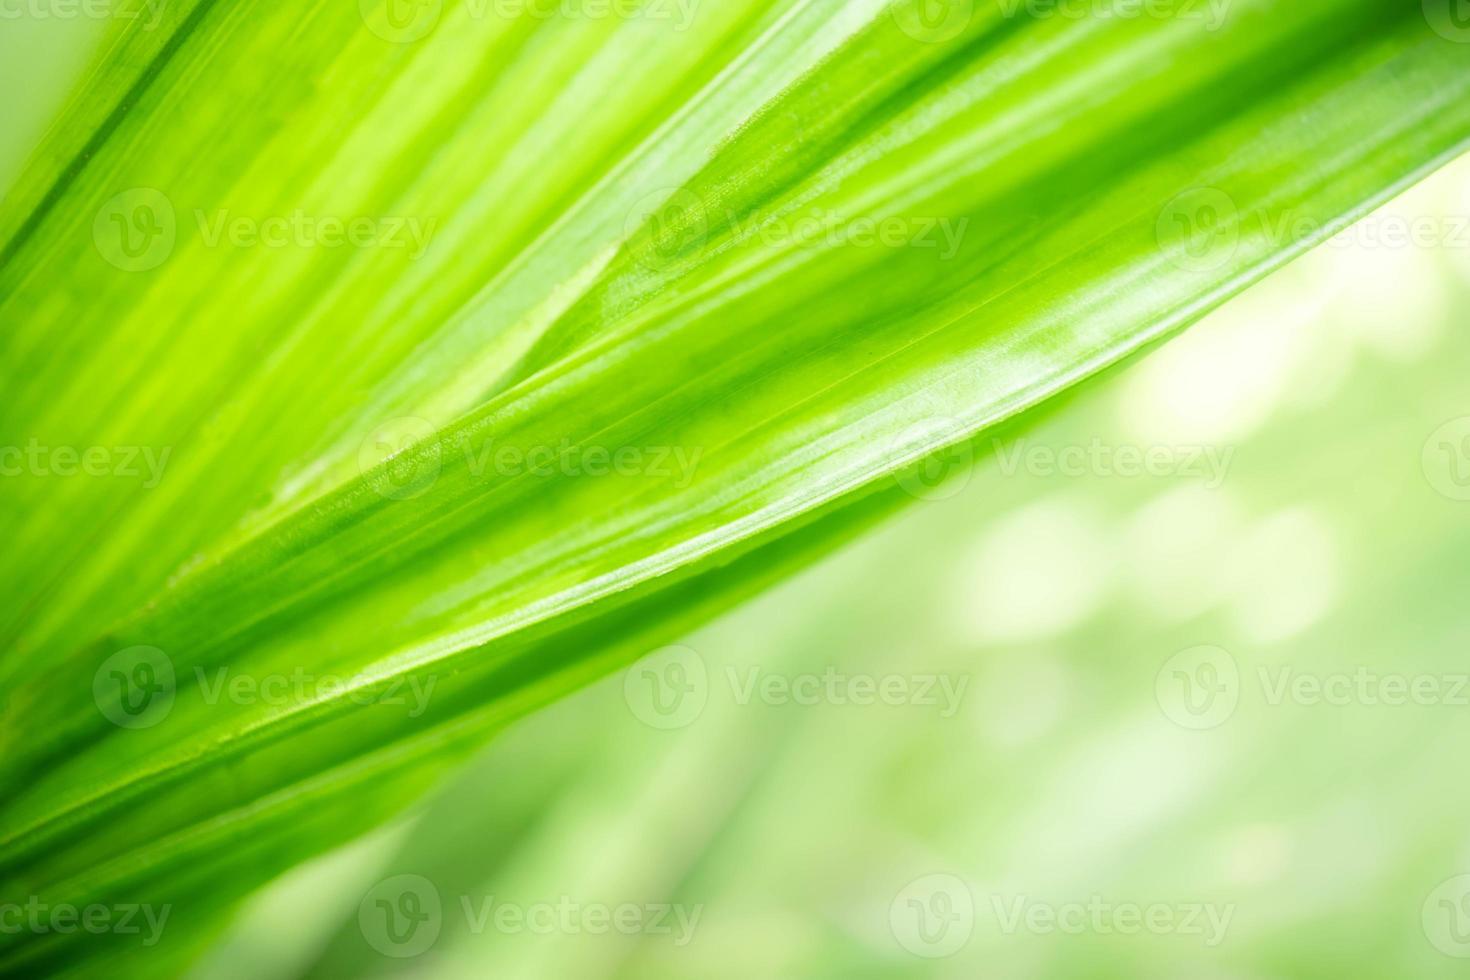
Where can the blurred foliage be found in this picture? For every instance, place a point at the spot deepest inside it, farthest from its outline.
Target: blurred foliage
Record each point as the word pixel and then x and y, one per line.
pixel 1090 665
pixel 1324 830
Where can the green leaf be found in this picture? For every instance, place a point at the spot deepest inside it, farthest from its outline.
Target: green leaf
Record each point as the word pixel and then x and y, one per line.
pixel 641 313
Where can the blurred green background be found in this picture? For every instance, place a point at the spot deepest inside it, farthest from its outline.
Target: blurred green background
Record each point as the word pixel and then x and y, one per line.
pixel 1172 685
pixel 1207 720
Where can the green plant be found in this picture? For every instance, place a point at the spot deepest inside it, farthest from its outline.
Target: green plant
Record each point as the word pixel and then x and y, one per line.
pixel 774 257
